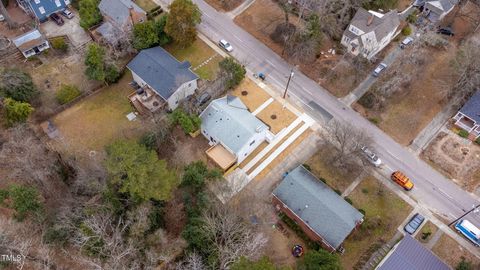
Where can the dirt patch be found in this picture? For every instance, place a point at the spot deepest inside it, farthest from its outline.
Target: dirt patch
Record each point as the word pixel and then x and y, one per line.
pixel 451 252
pixel 380 223
pixel 463 20
pixel 224 5
pixel 335 178
pixel 455 157
pixel 262 18
pixel 427 232
pixel 250 94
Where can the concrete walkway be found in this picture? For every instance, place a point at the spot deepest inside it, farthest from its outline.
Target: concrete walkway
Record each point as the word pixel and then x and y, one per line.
pixel 430 131
pixel 263 106
pixel 434 239
pixel 354 184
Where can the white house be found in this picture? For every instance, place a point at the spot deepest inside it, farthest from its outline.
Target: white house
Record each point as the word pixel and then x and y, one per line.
pixel 369 32
pixel 435 10
pixel 31 43
pixel 161 78
pixel 232 131
pixel 468 117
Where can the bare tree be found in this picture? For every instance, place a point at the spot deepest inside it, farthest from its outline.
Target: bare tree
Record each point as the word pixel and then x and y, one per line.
pixel 6 15
pixel 231 236
pixel 193 261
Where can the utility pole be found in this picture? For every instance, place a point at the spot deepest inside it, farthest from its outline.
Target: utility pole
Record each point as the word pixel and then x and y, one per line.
pixel 288 83
pixel 474 209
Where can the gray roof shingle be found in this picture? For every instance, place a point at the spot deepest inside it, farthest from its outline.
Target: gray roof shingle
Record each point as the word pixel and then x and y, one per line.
pixel 229 120
pixel 161 71
pixel 382 26
pixel 328 214
pixel 472 107
pixel 411 255
pixel 118 10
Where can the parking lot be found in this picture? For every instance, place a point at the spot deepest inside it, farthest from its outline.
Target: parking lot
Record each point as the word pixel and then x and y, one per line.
pixel 77 35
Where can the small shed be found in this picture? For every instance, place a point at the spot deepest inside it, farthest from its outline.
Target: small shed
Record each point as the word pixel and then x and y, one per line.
pixel 31 43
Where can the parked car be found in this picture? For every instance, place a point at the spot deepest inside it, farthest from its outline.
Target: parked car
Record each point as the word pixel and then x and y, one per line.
pixel 225 45
pixel 371 157
pixel 470 231
pixel 204 98
pixel 57 19
pixel 414 223
pixel 2 18
pixel 407 41
pixel 67 13
pixel 446 31
pixel 379 69
pixel 401 179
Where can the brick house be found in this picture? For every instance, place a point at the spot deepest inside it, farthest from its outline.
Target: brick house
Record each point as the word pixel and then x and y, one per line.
pixel 321 213
pixel 468 117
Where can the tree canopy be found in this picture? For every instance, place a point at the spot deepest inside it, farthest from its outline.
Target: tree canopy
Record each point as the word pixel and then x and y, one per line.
pixel 319 260
pixel 232 71
pixel 17 85
pixel 16 111
pixel 89 13
pixel 196 174
pixel 24 200
pixel 97 66
pixel 181 21
pixel 150 33
pixel 139 172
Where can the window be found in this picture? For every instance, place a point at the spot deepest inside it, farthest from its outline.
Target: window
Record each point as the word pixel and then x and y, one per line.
pixel 37 1
pixel 57 2
pixel 252 142
pixel 42 10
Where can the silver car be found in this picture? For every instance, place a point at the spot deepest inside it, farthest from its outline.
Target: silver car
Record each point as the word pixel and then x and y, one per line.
pixel 225 45
pixel 372 157
pixel 379 69
pixel 67 13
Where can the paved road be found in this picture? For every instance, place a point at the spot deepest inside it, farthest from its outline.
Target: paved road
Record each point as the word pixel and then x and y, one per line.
pixel 432 190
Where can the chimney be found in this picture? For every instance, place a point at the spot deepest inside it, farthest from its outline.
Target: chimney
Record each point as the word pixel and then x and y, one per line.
pixel 370 19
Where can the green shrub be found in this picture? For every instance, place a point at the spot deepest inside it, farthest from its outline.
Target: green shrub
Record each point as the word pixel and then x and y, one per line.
pixel 307 167
pixel 189 123
pixel 67 93
pixel 361 211
pixel 348 200
pixel 300 233
pixel 59 43
pixel 338 191
pixel 233 71
pixel 364 190
pixel 112 74
pixel 478 140
pixel 368 100
pixel 58 236
pixel 463 133
pixel 3 195
pixel 25 200
pixel 412 17
pixel 407 31
pixel 16 111
pixel 425 235
pixel 374 120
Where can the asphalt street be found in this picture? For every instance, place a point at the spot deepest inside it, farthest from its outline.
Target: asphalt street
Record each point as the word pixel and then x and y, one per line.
pixel 432 190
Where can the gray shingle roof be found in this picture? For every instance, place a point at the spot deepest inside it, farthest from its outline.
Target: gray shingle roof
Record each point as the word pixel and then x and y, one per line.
pixel 29 40
pixel 382 26
pixel 472 107
pixel 161 71
pixel 229 120
pixel 118 10
pixel 411 255
pixel 440 6
pixel 328 214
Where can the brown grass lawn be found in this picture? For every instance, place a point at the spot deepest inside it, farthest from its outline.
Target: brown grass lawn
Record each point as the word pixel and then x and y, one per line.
pixel 196 54
pixel 146 5
pixel 99 119
pixel 255 96
pixel 384 212
pixel 429 227
pixel 283 119
pixel 451 252
pixel 335 178
pixel 224 5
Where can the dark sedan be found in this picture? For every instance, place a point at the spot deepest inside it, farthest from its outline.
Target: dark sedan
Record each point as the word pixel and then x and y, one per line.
pixel 57 19
pixel 414 223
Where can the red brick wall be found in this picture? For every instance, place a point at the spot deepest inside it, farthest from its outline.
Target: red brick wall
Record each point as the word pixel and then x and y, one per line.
pixel 309 232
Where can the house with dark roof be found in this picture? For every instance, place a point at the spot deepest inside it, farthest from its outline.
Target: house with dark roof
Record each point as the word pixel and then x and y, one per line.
pixel 435 10
pixel 160 80
pixel 232 131
pixel 31 43
pixel 321 213
pixel 468 117
pixel 369 32
pixel 41 9
pixel 410 254
pixel 119 16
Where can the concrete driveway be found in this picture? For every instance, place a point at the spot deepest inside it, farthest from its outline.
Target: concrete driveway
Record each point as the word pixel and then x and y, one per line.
pixel 77 35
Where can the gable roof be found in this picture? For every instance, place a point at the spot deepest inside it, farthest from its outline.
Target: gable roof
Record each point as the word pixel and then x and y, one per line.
pixel 441 6
pixel 29 40
pixel 410 254
pixel 228 120
pixel 472 107
pixel 118 10
pixel 44 8
pixel 328 214
pixel 381 24
pixel 161 71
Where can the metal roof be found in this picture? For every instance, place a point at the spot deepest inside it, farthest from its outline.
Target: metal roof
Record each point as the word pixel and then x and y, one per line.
pixel 118 10
pixel 161 71
pixel 228 120
pixel 410 254
pixel 472 107
pixel 29 40
pixel 328 214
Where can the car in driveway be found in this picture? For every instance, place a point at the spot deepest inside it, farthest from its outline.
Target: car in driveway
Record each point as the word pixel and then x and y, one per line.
pixel 67 13
pixel 371 157
pixel 57 19
pixel 405 42
pixel 414 223
pixel 446 31
pixel 204 98
pixel 379 69
pixel 225 45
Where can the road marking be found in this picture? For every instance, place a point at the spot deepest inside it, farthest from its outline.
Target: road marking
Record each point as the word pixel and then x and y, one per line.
pixel 238 38
pixel 266 60
pixel 276 80
pixel 310 93
pixel 452 215
pixel 443 192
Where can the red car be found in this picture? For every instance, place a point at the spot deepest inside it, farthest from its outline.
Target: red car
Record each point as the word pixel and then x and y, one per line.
pixel 57 19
